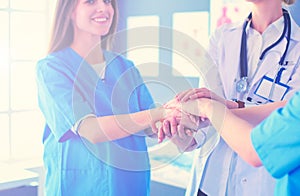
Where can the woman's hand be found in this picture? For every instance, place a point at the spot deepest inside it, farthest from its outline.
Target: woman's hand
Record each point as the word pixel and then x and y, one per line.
pixel 180 124
pixel 196 93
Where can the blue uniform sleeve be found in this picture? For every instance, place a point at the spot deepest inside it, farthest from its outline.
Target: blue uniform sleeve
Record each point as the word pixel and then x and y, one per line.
pixel 57 97
pixel 277 139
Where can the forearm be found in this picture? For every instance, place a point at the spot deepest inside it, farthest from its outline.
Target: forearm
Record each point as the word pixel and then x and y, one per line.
pixel 236 133
pixel 256 114
pixel 233 129
pixel 108 128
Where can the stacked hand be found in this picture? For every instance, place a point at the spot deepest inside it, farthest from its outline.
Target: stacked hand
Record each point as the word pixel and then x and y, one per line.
pixel 187 116
pixel 180 125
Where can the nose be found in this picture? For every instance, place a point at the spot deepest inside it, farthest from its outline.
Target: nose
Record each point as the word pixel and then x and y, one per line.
pixel 100 6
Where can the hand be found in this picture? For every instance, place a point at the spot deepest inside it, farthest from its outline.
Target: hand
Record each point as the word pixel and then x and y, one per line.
pixel 152 131
pixel 182 137
pixel 180 124
pixel 196 93
pixel 173 104
pixel 188 143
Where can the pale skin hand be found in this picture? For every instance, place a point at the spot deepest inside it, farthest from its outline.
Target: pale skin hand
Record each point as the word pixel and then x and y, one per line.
pixel 233 125
pixel 193 94
pixel 180 124
pixel 185 96
pixel 196 93
pixel 175 128
pixel 170 125
pixel 180 127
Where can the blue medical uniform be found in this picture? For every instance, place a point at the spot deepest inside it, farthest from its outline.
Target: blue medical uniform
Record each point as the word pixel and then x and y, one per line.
pixel 277 142
pixel 68 90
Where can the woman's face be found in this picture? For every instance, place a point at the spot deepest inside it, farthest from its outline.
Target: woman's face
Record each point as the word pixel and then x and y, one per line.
pixel 93 17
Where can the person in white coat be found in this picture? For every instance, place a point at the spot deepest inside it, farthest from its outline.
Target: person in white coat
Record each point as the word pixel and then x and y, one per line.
pixel 258 61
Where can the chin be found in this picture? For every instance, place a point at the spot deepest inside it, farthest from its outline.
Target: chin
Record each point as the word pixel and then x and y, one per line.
pixel 102 33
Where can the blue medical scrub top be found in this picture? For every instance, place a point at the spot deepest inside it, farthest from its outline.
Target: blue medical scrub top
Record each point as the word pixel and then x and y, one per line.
pixel 68 90
pixel 277 142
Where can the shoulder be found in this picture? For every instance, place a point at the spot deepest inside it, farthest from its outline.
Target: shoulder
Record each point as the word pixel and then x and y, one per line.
pixel 62 58
pixel 55 57
pixel 60 61
pixel 227 31
pixel 229 27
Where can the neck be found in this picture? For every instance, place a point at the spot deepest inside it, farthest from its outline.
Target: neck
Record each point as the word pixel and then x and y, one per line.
pixel 88 48
pixel 264 14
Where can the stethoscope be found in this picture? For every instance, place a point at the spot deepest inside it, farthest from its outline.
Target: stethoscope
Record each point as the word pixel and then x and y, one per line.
pixel 242 84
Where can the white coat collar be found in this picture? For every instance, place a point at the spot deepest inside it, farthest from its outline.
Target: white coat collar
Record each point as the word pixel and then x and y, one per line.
pixel 295 30
pixel 295 36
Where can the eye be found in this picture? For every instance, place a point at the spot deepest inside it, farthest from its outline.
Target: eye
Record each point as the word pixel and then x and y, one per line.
pixel 90 1
pixel 107 1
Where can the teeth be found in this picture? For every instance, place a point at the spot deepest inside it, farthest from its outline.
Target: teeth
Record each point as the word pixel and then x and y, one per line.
pixel 100 19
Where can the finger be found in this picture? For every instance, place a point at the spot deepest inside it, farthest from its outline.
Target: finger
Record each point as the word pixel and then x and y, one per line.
pixel 203 118
pixel 154 128
pixel 181 95
pixel 160 135
pixel 195 93
pixel 189 132
pixel 166 128
pixel 181 132
pixel 187 95
pixel 190 121
pixel 174 124
pixel 200 95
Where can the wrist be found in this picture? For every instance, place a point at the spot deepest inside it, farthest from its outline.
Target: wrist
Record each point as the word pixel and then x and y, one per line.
pixel 159 113
pixel 214 109
pixel 232 104
pixel 193 145
pixel 236 103
pixel 209 107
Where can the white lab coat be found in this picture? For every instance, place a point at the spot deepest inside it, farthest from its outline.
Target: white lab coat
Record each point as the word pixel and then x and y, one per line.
pixel 217 177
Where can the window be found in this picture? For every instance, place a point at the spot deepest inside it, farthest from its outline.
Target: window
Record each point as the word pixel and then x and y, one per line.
pixel 23 40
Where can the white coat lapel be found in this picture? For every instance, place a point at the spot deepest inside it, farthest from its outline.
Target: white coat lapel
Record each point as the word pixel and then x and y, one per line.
pixel 272 58
pixel 269 63
pixel 230 69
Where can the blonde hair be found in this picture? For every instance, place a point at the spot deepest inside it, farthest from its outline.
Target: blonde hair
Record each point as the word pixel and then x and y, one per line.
pixel 289 2
pixel 63 32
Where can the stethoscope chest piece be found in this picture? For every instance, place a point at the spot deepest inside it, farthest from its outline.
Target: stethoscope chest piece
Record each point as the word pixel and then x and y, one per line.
pixel 242 85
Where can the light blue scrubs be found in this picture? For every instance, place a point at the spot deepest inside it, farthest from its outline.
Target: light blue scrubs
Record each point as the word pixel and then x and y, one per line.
pixel 277 142
pixel 68 90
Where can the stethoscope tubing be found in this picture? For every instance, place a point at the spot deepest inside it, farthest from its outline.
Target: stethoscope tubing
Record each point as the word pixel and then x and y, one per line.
pixel 243 52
